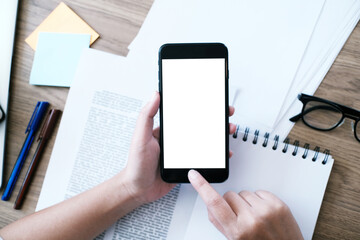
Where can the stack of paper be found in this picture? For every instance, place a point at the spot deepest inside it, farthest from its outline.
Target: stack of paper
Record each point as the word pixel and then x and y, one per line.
pixel 277 49
pixel 266 41
pixel 336 22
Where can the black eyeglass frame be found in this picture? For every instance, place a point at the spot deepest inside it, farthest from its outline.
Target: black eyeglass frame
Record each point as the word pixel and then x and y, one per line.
pixel 346 112
pixel 2 117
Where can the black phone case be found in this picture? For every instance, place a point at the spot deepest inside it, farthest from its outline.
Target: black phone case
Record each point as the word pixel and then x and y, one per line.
pixel 190 51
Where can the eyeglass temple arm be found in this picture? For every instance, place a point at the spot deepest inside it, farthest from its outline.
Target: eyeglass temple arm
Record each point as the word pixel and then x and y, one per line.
pixel 296 117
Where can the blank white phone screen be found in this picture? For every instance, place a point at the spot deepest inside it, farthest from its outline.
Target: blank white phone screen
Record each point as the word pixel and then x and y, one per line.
pixel 194 130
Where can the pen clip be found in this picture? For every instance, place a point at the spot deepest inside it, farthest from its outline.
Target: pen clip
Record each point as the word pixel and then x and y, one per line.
pixel 45 126
pixel 32 118
pixel 49 124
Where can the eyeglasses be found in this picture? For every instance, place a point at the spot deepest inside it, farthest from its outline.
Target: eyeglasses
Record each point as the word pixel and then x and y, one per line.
pixel 2 114
pixel 324 115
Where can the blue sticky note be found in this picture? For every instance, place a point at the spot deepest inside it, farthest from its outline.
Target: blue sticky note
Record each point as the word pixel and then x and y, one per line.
pixel 56 58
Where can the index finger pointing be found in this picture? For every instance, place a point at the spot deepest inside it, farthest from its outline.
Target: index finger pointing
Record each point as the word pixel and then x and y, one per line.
pixel 217 205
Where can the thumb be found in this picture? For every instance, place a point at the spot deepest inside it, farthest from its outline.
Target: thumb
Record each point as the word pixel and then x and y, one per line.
pixel 151 108
pixel 145 122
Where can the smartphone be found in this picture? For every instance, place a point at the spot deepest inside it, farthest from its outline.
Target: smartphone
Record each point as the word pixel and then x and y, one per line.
pixel 194 111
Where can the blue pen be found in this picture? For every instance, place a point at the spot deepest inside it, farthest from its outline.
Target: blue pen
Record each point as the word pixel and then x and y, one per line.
pixel 31 129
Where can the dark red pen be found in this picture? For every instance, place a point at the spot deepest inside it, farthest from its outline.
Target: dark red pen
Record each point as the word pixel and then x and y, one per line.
pixel 44 135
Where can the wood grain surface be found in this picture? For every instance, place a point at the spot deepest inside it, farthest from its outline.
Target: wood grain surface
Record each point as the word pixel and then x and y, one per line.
pixel 117 22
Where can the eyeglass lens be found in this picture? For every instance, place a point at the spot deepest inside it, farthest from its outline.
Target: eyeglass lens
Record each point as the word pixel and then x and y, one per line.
pixel 322 115
pixel 357 130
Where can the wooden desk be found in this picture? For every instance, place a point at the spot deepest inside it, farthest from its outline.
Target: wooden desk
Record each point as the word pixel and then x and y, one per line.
pixel 340 213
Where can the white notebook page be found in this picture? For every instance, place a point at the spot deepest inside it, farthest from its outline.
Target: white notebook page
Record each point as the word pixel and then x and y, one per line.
pixel 299 182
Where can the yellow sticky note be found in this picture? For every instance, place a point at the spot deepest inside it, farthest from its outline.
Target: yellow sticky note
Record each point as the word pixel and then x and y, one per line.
pixel 62 20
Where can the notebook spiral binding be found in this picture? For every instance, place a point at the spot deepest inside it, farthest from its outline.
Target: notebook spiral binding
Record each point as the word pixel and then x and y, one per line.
pixel 286 144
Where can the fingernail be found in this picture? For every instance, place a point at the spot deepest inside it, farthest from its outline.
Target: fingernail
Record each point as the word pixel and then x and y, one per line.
pixel 193 174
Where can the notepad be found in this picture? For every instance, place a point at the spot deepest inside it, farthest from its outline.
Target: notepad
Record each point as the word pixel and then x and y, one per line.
pixel 298 176
pixel 62 20
pixel 56 58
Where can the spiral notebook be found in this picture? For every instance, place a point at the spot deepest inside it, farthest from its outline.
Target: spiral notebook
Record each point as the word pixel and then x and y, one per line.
pixel 296 174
